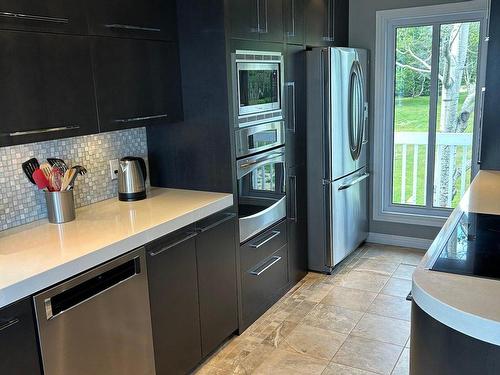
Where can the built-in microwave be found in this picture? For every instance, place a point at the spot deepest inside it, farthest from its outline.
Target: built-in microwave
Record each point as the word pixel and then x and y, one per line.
pixel 258 86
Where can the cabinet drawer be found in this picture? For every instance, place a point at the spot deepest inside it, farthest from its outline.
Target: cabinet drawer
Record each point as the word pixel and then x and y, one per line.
pixel 262 246
pixel 19 354
pixel 55 16
pixel 262 283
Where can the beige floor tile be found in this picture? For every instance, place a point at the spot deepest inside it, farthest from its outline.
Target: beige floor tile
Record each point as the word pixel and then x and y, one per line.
pixel 251 362
pixel 368 355
pixel 385 253
pixel 316 292
pixel 313 342
pixel 374 265
pixel 354 299
pixel 413 257
pixel 389 330
pixel 333 318
pixel 397 287
pixel 364 280
pixel 403 365
pixel 404 271
pixel 337 369
pixel 280 333
pixel 284 362
pixel 391 306
pixel 209 370
pixel 301 311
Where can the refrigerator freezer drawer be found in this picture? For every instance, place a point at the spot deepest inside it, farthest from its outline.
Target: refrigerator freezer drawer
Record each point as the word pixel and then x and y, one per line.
pixel 349 225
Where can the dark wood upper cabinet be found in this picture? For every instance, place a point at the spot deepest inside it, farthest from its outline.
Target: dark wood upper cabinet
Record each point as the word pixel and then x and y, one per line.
pixel 58 16
pixel 244 16
pixel 47 90
pixel 271 20
pixel 137 82
pixel 257 20
pixel 326 22
pixel 18 340
pixel 294 21
pixel 151 19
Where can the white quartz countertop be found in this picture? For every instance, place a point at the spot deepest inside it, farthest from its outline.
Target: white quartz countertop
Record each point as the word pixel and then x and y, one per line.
pixel 38 255
pixel 470 305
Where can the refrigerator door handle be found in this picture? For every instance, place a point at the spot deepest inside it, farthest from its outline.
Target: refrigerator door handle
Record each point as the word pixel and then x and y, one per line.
pixel 354 182
pixel 365 124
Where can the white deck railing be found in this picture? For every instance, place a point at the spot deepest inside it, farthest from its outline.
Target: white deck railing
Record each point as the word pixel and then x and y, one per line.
pixel 460 144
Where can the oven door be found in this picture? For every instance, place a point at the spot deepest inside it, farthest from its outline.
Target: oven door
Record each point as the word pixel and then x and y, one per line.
pixel 261 192
pixel 258 138
pixel 258 87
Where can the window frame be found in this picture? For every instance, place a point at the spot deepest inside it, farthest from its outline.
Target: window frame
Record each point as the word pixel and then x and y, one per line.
pixel 387 22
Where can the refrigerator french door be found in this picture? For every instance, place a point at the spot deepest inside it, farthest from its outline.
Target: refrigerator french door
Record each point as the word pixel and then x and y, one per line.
pixel 337 138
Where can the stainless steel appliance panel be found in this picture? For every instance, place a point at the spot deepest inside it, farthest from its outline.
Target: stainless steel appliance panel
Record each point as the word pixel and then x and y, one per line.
pixel 345 85
pixel 258 138
pixel 99 322
pixel 261 191
pixel 349 215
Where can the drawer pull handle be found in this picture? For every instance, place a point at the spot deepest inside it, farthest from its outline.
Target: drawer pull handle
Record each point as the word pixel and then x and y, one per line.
pixel 226 217
pixel 41 131
pixel 8 323
pixel 131 27
pixel 272 261
pixel 32 17
pixel 163 249
pixel 273 234
pixel 142 118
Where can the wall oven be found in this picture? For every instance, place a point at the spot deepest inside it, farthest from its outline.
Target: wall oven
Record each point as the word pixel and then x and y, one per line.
pixel 258 84
pixel 261 191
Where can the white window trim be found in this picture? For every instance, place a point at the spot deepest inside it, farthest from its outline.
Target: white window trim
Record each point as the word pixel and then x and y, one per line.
pixel 386 22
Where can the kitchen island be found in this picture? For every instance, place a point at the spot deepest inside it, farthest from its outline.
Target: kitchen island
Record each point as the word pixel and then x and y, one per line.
pixel 456 315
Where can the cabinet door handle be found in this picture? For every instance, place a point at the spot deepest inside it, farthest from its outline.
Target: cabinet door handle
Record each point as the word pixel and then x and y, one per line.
pixel 32 17
pixel 261 269
pixel 292 15
pixel 257 28
pixel 163 249
pixel 41 131
pixel 269 237
pixel 292 112
pixel 226 217
pixel 131 27
pixel 8 323
pixel 266 23
pixel 480 130
pixel 293 211
pixel 142 118
pixel 329 21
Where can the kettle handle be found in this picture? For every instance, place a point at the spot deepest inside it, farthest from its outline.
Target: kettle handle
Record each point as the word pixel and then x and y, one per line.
pixel 142 163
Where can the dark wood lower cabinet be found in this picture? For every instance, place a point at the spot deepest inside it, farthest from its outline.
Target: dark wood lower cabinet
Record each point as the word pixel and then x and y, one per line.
pixel 216 255
pixel 19 353
pixel 193 294
pixel 173 290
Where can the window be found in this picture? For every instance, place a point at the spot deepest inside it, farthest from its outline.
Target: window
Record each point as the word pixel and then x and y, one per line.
pixel 429 76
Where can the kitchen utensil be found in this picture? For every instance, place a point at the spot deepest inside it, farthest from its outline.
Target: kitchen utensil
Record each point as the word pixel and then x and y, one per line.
pixel 56 179
pixel 46 169
pixel 78 170
pixel 40 179
pixel 132 179
pixel 68 177
pixel 59 163
pixel 29 167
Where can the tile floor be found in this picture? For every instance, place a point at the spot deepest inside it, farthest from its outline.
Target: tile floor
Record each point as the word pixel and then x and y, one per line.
pixel 356 321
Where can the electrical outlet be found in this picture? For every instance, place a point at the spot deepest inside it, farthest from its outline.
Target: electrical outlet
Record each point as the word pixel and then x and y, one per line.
pixel 113 168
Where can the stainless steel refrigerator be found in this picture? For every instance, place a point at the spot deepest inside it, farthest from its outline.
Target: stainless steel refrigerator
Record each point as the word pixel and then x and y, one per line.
pixel 337 137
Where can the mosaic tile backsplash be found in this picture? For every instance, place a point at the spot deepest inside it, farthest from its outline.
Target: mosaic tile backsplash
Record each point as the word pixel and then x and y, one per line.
pixel 21 202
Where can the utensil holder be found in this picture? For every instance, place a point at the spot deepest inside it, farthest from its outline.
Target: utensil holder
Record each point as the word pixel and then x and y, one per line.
pixel 60 206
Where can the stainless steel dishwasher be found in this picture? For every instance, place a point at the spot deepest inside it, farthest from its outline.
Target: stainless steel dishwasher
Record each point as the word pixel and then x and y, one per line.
pixel 99 322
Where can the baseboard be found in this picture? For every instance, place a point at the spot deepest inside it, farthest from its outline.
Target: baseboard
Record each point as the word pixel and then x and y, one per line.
pixel 390 239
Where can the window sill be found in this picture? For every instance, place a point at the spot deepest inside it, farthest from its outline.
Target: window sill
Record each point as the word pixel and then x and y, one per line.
pixel 410 218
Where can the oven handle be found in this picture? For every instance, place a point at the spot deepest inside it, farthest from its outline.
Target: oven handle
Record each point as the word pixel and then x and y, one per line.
pixel 260 160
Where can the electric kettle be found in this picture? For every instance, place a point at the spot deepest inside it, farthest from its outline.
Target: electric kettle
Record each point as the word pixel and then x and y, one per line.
pixel 131 179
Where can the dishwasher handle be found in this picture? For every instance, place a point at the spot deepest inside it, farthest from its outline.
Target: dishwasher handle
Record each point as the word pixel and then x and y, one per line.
pixel 91 288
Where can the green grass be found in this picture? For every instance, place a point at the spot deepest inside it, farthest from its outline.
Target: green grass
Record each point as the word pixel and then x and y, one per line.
pixel 412 115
